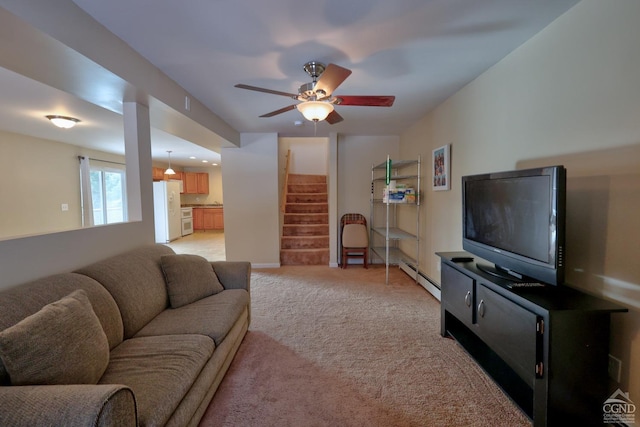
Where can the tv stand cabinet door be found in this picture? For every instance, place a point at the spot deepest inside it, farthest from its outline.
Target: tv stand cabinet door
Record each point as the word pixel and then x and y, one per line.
pixel 510 331
pixel 457 295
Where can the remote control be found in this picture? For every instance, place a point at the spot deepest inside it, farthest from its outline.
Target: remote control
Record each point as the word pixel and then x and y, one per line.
pixel 526 285
pixel 462 259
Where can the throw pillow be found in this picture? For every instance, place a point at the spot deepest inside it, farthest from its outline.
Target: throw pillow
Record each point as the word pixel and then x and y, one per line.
pixel 63 343
pixel 189 278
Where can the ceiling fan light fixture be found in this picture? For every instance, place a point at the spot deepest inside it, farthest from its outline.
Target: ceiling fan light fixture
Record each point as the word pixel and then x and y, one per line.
pixel 315 111
pixel 63 122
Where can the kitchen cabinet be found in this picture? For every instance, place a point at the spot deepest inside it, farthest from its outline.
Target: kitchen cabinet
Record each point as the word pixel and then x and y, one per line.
pixel 190 183
pixel 202 183
pixel 198 219
pixel 158 174
pixel 196 182
pixel 208 219
pixel 218 219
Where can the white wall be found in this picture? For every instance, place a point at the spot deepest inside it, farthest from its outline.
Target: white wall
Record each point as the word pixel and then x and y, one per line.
pixel 250 185
pixel 568 96
pixel 356 156
pixel 44 174
pixel 34 257
pixel 309 155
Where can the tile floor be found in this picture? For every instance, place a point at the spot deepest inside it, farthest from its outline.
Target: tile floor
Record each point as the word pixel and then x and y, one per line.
pixel 208 244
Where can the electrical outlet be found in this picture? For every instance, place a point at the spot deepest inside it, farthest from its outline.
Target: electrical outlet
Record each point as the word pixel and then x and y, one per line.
pixel 64 207
pixel 615 368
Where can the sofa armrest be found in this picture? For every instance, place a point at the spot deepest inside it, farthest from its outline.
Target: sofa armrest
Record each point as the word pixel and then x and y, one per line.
pixel 233 274
pixel 68 405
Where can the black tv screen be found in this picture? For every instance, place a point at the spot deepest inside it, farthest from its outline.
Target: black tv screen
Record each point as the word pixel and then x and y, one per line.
pixel 515 219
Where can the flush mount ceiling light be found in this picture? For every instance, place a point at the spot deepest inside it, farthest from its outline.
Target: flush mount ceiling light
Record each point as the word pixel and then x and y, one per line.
pixel 63 122
pixel 315 111
pixel 169 171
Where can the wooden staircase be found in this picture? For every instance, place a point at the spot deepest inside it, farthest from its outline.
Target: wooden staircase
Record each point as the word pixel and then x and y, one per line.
pixel 305 231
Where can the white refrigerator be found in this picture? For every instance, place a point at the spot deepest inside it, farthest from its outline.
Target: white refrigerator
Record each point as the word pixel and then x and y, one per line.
pixel 166 209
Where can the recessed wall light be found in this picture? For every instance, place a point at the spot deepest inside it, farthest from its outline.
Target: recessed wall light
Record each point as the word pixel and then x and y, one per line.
pixel 192 157
pixel 205 161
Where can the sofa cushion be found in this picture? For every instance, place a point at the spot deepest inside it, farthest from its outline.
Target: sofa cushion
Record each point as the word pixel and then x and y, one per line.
pixel 160 370
pixel 213 316
pixel 189 278
pixel 21 301
pixel 63 343
pixel 136 282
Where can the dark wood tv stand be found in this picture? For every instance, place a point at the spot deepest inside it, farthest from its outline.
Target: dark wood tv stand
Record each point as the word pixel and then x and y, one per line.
pixel 546 347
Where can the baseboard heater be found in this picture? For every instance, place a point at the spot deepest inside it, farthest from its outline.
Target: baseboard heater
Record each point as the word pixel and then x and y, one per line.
pixel 423 280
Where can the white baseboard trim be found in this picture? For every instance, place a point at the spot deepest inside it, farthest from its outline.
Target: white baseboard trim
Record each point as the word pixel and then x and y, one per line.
pixel 268 265
pixel 422 280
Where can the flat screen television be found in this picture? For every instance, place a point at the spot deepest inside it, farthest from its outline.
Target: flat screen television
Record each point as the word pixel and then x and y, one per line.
pixel 516 220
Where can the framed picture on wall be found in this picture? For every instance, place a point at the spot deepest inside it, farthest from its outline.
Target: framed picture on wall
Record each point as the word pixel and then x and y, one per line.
pixel 440 168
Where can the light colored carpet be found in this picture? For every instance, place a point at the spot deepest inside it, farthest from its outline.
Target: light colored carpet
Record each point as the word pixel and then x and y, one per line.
pixel 333 347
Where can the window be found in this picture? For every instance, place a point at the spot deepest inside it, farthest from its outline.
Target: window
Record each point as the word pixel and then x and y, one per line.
pixel 108 194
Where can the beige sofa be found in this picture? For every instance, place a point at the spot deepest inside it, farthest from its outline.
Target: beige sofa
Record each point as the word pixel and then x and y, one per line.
pixel 142 338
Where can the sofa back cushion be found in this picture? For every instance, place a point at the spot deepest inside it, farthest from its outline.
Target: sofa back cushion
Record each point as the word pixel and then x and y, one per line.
pixel 189 278
pixel 136 282
pixel 24 300
pixel 63 343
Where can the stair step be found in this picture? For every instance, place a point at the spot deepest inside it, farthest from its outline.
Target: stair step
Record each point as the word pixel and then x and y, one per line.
pixel 307 208
pixel 305 233
pixel 304 242
pixel 307 198
pixel 306 218
pixel 306 179
pixel 305 230
pixel 306 188
pixel 304 256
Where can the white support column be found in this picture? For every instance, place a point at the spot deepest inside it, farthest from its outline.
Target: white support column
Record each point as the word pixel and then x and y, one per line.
pixel 137 139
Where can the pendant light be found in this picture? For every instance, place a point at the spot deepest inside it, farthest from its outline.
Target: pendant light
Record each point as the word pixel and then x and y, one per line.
pixel 169 171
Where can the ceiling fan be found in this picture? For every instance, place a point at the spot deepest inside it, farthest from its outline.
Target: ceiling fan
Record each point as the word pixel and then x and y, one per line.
pixel 317 99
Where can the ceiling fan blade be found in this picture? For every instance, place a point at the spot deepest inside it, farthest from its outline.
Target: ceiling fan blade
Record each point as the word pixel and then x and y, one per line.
pixel 334 118
pixel 280 111
pixel 260 89
pixel 366 101
pixel 331 78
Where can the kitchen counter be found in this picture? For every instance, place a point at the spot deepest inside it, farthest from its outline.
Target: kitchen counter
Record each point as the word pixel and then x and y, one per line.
pixel 209 206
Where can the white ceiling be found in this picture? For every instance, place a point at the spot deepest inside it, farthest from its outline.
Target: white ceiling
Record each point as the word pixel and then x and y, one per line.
pixel 25 103
pixel 421 51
